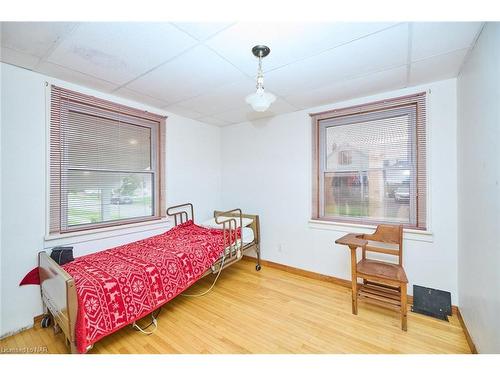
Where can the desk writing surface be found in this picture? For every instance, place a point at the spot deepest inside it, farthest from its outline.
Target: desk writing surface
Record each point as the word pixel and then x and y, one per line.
pixel 351 239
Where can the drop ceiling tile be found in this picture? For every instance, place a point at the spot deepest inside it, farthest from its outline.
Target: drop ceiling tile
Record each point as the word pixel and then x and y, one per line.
pixel 120 51
pixel 221 99
pixel 435 38
pixel 11 56
pixel 381 51
pixel 34 38
pixel 288 41
pixel 246 113
pixel 141 98
pixel 69 75
pixel 437 68
pixel 358 87
pixel 214 121
pixel 195 72
pixel 202 30
pixel 183 111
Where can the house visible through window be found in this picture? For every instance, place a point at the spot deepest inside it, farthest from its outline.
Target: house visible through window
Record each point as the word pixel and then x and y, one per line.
pixel 369 163
pixel 105 163
pixel 345 157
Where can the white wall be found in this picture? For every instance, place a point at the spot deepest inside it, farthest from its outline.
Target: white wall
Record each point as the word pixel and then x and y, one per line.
pixel 1 267
pixel 192 172
pixel 479 191
pixel 271 176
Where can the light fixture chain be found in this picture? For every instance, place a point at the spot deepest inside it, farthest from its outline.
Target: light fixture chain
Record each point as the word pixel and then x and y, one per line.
pixel 260 74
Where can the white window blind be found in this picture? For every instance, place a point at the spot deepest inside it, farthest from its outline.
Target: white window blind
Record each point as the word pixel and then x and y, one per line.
pixel 106 163
pixel 369 163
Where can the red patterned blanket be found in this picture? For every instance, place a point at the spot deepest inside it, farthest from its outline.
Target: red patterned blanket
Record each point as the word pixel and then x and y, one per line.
pixel 120 285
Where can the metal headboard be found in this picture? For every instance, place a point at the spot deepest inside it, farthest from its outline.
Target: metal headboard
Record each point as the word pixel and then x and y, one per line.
pixel 181 213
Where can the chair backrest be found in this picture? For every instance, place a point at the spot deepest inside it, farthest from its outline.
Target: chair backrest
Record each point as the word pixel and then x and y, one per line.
pixel 387 239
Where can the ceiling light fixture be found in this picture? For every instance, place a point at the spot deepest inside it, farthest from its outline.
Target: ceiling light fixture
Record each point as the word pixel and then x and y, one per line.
pixel 260 100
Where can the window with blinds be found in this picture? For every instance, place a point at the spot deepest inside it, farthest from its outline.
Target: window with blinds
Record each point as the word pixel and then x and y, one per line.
pixel 106 163
pixel 369 163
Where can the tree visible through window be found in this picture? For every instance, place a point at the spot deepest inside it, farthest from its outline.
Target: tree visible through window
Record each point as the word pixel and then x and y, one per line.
pixel 369 163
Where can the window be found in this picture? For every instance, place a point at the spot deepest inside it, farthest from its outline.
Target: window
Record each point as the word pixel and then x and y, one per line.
pixel 369 163
pixel 106 163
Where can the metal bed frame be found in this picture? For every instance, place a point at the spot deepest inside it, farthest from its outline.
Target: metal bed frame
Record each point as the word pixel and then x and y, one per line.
pixel 234 250
pixel 58 288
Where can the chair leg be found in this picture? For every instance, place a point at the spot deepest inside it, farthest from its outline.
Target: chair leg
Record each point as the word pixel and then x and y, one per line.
pixel 354 277
pixel 355 295
pixel 403 307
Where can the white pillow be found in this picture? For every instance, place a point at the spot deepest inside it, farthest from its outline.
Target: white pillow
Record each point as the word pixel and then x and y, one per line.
pixel 212 224
pixel 247 235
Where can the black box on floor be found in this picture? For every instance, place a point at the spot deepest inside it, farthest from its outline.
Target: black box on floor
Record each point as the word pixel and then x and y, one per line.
pixel 431 302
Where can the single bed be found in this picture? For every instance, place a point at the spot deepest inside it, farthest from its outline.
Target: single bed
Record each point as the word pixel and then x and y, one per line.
pixel 97 294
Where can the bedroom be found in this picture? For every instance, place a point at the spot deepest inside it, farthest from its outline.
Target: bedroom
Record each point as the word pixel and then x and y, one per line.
pixel 278 139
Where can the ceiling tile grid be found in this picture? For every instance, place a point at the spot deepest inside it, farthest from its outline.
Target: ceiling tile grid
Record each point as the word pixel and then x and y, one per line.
pixel 73 76
pixel 119 52
pixel 191 74
pixel 245 113
pixel 15 57
pixel 183 111
pixel 368 84
pixel 437 68
pixel 205 70
pixel 388 48
pixel 437 38
pixel 139 97
pixel 223 98
pixel 202 30
pixel 34 38
pixel 288 41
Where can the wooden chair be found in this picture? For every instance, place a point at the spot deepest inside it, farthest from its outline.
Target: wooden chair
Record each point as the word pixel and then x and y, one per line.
pixel 384 283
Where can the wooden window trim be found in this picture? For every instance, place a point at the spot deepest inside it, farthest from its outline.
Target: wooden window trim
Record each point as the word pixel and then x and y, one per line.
pixel 59 96
pixel 419 100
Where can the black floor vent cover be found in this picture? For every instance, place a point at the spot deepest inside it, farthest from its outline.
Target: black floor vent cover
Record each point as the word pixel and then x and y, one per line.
pixel 431 302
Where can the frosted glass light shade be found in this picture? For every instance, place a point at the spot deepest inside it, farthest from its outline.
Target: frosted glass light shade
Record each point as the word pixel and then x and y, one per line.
pixel 260 100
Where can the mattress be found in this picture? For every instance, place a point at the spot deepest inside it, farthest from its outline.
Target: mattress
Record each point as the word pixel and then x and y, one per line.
pixel 247 235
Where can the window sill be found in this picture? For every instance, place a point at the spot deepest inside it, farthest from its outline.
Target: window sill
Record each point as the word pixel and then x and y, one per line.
pixel 408 234
pixel 101 233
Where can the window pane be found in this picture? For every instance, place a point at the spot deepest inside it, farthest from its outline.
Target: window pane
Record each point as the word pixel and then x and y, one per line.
pixel 96 197
pixel 368 195
pixel 94 142
pixel 369 167
pixel 369 144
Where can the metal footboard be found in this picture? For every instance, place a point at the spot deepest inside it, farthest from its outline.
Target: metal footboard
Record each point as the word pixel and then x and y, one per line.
pixel 231 221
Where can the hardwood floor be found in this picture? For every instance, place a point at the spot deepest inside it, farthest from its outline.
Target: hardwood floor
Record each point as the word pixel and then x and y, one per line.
pixel 271 311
